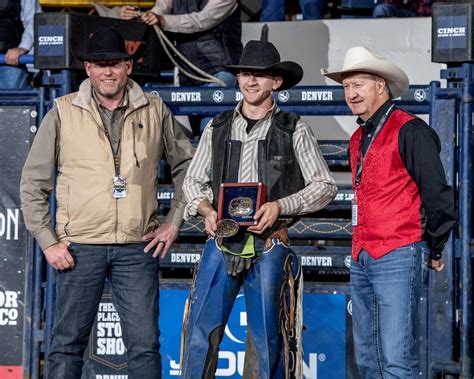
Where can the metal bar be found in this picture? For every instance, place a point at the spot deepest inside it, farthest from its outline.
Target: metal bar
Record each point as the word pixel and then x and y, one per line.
pixel 305 110
pixel 66 83
pixel 38 254
pixel 465 175
pixel 438 335
pixel 24 59
pixel 320 96
pixel 307 228
pixel 18 92
pixel 446 368
pixel 50 291
pixel 29 308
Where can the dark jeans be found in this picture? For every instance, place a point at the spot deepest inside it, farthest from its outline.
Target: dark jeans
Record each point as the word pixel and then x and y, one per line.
pixel 133 278
pixel 389 10
pixel 274 10
pixel 14 77
pixel 385 294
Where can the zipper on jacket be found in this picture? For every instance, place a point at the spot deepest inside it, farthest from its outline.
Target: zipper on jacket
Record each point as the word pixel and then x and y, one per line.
pixel 135 125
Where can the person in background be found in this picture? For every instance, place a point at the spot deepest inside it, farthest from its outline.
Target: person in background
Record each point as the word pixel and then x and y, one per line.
pixel 402 214
pixel 106 142
pixel 275 10
pixel 16 39
pixel 256 142
pixel 208 32
pixel 403 8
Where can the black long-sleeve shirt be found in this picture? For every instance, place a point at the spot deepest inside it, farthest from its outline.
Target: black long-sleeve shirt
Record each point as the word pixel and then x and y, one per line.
pixel 419 148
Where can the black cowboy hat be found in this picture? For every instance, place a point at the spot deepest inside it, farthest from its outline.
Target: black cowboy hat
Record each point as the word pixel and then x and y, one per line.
pixel 108 45
pixel 263 56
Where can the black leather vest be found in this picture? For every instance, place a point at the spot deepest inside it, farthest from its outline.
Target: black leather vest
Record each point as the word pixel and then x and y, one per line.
pixel 213 49
pixel 278 167
pixel 11 27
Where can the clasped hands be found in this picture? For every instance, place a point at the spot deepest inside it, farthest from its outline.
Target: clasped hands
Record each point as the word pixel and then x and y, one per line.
pixel 128 12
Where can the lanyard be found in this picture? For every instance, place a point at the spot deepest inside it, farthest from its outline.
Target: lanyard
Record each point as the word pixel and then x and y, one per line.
pixel 361 162
pixel 114 152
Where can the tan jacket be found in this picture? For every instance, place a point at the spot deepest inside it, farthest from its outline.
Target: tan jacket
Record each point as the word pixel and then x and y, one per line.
pixel 86 211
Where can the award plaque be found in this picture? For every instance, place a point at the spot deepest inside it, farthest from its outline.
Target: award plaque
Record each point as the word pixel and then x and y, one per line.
pixel 238 203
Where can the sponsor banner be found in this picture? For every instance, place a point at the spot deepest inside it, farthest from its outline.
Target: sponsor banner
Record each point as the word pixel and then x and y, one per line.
pixel 451 32
pixel 324 338
pixel 311 258
pixel 192 96
pixel 105 356
pixel 17 125
pixel 51 40
pixel 62 37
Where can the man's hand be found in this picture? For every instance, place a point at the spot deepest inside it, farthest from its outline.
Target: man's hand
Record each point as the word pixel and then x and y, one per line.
pixel 129 12
pixel 438 266
pixel 211 222
pixel 266 217
pixel 162 237
pixel 12 57
pixel 58 256
pixel 206 210
pixel 151 18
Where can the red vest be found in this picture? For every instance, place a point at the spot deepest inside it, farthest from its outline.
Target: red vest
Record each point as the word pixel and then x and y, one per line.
pixel 389 205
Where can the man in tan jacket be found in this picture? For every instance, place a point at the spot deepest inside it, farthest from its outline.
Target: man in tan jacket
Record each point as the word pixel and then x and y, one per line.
pixel 106 141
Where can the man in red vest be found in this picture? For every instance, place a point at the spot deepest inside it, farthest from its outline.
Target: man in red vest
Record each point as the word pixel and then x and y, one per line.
pixel 402 214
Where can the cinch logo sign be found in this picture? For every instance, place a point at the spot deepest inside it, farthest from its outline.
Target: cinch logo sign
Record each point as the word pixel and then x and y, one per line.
pixel 451 32
pixel 50 40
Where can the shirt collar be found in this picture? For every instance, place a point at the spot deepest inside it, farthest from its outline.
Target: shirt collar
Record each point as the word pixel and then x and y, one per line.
pixel 123 106
pixel 271 111
pixel 373 121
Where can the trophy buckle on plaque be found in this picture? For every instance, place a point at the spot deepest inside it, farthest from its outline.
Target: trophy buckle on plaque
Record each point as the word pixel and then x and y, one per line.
pixel 237 205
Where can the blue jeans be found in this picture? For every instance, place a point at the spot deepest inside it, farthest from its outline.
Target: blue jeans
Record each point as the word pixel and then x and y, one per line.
pixel 133 278
pixel 14 77
pixel 385 295
pixel 389 10
pixel 274 10
pixel 212 297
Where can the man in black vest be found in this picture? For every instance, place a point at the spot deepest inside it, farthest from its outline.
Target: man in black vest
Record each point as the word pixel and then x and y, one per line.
pixel 207 33
pixel 257 142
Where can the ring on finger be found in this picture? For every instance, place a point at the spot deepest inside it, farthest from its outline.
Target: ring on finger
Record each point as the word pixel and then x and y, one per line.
pixel 163 242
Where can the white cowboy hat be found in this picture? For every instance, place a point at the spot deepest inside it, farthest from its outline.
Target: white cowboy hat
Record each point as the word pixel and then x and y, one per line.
pixel 364 59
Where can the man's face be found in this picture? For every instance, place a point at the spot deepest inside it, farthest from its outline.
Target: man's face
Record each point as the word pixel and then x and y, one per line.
pixel 364 94
pixel 257 86
pixel 109 78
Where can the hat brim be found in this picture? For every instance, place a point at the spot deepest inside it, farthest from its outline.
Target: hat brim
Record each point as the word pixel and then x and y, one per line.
pixel 396 78
pixel 291 72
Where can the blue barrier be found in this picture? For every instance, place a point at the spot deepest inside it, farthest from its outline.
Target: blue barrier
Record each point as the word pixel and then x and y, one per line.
pixel 24 59
pixel 304 100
